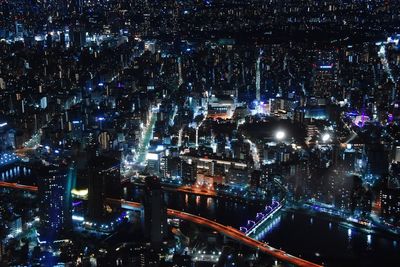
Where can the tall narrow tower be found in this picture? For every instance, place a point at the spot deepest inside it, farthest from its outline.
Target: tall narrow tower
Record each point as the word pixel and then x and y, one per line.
pixel 180 71
pixel 155 212
pixel 258 77
pixel 55 184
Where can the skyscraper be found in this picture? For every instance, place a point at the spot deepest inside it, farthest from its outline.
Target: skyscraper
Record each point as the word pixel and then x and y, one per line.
pixel 258 77
pixel 155 212
pixel 55 184
pixel 104 182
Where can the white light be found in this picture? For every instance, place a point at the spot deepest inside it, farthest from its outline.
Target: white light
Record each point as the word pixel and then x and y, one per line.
pixel 280 135
pixel 77 218
pixel 152 156
pixel 326 137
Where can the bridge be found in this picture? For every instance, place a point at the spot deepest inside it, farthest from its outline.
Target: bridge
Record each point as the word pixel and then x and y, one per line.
pixel 19 186
pixel 223 229
pixel 229 232
pixel 12 167
pixel 261 218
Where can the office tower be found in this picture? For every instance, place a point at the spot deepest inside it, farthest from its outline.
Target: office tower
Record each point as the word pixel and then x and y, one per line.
pixel 154 161
pixel 155 213
pixel 258 77
pixel 49 40
pixel 7 137
pixel 324 79
pixel 19 30
pixel 62 39
pixel 54 184
pixel 104 182
pixel 78 37
pixel 74 6
pixel 189 171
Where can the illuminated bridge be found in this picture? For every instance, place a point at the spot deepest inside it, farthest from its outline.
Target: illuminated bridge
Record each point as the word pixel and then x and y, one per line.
pixel 229 232
pixel 223 229
pixel 252 226
pixel 19 186
pixel 12 167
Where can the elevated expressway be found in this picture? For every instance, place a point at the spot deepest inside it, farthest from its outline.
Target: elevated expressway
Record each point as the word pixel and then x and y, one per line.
pixel 229 232
pixel 223 229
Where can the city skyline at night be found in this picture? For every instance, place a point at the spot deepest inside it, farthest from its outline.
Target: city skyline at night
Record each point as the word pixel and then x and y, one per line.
pixel 191 133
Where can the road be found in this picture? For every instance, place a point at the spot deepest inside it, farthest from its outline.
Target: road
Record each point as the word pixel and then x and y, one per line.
pixel 147 135
pixel 19 186
pixel 191 190
pixel 232 233
pixel 223 229
pixel 254 153
pixel 388 70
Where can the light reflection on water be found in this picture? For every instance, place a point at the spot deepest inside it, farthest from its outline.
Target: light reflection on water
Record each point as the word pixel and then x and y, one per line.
pixel 288 229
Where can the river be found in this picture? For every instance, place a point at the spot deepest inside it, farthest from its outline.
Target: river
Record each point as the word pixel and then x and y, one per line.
pixel 311 236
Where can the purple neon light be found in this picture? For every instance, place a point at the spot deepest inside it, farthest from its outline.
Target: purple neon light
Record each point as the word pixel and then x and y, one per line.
pixel 77 203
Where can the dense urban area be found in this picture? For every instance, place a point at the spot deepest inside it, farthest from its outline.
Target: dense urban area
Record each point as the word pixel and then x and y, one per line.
pixel 199 133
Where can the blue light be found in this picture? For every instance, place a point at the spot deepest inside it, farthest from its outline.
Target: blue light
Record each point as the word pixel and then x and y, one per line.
pixel 101 84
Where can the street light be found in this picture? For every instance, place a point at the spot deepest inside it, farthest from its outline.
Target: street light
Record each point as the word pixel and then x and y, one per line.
pixel 326 137
pixel 280 135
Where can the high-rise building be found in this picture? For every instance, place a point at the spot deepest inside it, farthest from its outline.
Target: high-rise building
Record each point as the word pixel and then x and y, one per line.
pixel 49 40
pixel 104 182
pixel 62 39
pixel 390 203
pixel 7 137
pixel 258 78
pixel 189 171
pixel 155 212
pixel 78 37
pixel 324 79
pixel 55 183
pixel 154 161
pixel 19 31
pixel 74 5
pixel 376 159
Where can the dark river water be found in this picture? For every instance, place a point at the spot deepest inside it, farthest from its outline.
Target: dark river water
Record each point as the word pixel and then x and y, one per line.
pixel 313 237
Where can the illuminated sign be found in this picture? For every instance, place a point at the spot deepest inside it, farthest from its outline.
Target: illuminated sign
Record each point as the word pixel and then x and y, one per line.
pixel 77 218
pixel 326 67
pixel 152 156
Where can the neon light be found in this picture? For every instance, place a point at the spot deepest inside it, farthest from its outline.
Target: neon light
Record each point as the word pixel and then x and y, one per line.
pixel 76 203
pixel 152 156
pixel 80 193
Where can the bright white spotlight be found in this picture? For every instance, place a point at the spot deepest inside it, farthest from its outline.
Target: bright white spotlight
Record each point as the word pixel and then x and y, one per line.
pixel 326 137
pixel 280 135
